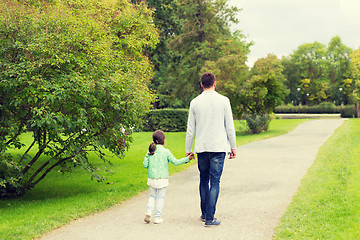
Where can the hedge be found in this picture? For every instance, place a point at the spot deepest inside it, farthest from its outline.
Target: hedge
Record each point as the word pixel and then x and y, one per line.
pixel 324 108
pixel 321 108
pixel 168 120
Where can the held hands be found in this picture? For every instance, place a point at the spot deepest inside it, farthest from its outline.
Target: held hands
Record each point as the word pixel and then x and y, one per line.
pixel 190 155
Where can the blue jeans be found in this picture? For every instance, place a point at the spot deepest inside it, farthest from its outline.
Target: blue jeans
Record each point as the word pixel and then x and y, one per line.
pixel 210 165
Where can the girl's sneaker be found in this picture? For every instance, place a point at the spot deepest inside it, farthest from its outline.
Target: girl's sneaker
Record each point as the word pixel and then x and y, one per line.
pixel 147 217
pixel 158 220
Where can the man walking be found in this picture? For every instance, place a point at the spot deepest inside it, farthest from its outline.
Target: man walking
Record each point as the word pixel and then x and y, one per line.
pixel 211 122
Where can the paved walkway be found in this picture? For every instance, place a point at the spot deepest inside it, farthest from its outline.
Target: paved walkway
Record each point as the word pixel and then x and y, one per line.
pixel 256 189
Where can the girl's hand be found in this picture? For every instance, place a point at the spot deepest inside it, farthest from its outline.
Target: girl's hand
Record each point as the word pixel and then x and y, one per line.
pixel 190 155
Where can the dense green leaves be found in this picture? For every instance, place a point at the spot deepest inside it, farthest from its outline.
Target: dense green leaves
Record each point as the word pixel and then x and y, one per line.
pixel 75 75
pixel 168 120
pixel 355 74
pixel 265 88
pixel 204 37
pixel 262 92
pixel 316 72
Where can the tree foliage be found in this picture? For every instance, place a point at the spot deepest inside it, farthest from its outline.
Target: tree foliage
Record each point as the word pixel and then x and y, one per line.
pixel 325 67
pixel 74 75
pixel 355 74
pixel 204 37
pixel 264 89
pixel 169 25
pixel 262 92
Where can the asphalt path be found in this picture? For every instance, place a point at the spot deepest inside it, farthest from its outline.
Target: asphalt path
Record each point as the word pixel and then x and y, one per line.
pixel 256 188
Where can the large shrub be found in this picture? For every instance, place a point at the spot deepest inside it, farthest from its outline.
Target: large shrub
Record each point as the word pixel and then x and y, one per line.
pixel 347 111
pixel 258 123
pixel 168 120
pixel 73 73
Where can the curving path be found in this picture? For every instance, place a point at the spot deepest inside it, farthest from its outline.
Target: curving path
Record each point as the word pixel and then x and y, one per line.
pixel 256 189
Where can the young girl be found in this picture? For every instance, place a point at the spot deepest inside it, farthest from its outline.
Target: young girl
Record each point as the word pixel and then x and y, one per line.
pixel 157 161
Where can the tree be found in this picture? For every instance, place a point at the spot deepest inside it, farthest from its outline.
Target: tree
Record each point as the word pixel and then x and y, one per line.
pixel 292 74
pixel 262 92
pixel 74 76
pixel 310 59
pixel 169 25
pixel 338 57
pixel 205 37
pixel 355 72
pixel 325 67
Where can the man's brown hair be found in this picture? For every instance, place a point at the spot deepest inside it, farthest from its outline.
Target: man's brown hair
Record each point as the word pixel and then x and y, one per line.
pixel 208 79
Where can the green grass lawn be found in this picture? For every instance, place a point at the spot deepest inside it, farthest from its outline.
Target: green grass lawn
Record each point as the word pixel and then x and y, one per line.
pixel 277 127
pixel 327 205
pixel 61 198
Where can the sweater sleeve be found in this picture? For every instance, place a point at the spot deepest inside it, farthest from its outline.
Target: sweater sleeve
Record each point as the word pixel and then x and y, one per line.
pixel 190 130
pixel 175 161
pixel 229 125
pixel 146 161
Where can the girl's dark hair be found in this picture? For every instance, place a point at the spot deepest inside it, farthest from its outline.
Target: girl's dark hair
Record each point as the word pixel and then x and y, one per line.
pixel 158 138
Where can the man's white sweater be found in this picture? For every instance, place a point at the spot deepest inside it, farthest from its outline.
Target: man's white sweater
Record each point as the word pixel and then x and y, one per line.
pixel 211 122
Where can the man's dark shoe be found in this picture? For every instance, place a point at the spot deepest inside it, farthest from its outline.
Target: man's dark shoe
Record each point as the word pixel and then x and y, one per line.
pixel 203 219
pixel 214 222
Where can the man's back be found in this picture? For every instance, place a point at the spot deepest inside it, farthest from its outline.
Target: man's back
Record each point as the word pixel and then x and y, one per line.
pixel 211 117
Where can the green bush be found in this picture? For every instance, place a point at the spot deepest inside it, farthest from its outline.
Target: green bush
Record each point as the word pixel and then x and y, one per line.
pixel 258 123
pixel 319 109
pixel 10 176
pixel 347 112
pixel 324 108
pixel 288 109
pixel 168 120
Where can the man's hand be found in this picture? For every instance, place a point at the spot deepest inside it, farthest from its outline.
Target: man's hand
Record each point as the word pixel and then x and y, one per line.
pixel 191 155
pixel 232 154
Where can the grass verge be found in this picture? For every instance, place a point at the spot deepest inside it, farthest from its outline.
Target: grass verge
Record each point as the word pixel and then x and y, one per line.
pixel 61 198
pixel 326 205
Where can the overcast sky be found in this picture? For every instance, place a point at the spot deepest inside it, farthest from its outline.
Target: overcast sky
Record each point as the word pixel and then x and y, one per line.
pixel 281 26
